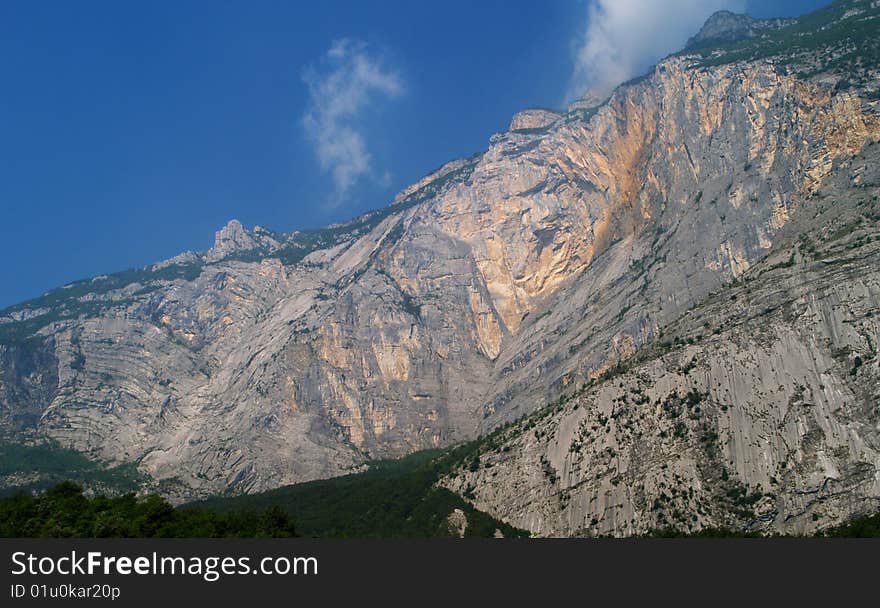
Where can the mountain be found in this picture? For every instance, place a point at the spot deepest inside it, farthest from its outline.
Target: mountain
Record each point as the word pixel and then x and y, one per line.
pixel 559 262
pixel 758 410
pixel 726 27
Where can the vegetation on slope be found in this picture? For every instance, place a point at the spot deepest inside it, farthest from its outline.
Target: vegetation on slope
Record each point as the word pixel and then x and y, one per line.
pixel 391 499
pixel 862 527
pixel 36 468
pixel 842 37
pixel 86 298
pixel 397 498
pixel 349 509
pixel 65 512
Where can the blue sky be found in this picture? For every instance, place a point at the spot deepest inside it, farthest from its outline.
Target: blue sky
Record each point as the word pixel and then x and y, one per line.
pixel 132 131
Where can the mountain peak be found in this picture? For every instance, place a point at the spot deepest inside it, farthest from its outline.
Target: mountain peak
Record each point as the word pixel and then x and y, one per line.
pixel 724 26
pixel 231 238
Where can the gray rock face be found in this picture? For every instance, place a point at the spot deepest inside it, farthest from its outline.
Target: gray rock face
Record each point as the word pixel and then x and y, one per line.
pixel 483 292
pixel 233 239
pixel 725 27
pixel 534 118
pixel 758 410
pixel 722 27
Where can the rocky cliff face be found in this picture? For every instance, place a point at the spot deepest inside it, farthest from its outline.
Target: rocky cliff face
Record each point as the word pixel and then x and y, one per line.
pixel 725 27
pixel 480 294
pixel 757 410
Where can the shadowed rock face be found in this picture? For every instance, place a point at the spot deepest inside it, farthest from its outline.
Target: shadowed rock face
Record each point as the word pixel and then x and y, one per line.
pixel 481 293
pixel 725 27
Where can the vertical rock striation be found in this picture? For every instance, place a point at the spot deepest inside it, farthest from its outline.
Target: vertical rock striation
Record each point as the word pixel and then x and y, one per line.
pixel 480 294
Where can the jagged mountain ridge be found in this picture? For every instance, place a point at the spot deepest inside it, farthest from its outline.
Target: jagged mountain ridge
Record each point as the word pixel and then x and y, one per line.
pixel 481 293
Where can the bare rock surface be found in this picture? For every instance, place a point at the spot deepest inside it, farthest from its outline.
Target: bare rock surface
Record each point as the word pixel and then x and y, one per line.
pixel 500 282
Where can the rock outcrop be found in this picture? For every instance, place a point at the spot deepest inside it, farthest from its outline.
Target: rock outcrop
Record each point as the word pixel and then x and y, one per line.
pixel 724 27
pixel 481 293
pixel 756 411
pixel 534 118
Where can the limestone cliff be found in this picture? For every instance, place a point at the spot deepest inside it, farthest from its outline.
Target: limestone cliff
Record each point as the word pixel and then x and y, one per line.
pixel 481 293
pixel 757 410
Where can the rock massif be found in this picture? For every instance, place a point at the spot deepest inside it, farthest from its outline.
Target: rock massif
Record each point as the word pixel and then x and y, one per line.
pixel 757 410
pixel 726 27
pixel 495 285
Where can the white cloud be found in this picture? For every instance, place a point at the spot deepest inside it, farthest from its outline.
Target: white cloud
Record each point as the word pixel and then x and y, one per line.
pixel 347 81
pixel 625 37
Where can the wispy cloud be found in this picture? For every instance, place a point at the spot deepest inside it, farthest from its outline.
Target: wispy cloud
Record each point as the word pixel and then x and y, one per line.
pixel 625 37
pixel 348 80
